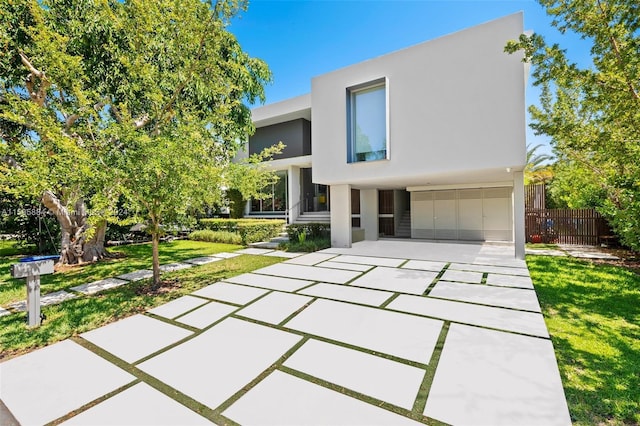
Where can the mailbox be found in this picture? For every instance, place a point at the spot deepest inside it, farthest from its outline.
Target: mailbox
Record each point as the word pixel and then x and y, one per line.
pixel 31 268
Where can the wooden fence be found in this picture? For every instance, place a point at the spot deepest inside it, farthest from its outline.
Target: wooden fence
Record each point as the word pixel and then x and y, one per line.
pixel 567 226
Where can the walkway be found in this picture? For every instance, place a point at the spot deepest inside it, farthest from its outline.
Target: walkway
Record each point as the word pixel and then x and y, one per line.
pixel 383 333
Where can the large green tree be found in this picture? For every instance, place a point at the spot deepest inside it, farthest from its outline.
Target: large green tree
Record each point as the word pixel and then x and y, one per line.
pixel 592 114
pixel 144 100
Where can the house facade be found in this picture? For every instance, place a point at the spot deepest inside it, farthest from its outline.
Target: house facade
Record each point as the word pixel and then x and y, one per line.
pixel 427 142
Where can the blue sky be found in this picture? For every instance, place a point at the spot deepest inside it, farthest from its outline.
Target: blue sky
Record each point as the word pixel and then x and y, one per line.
pixel 300 39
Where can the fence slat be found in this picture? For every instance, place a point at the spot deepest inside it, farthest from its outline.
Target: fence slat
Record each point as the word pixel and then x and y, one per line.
pixel 566 226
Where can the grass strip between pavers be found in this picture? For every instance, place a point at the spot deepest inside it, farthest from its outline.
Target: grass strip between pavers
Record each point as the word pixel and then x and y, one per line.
pixel 421 399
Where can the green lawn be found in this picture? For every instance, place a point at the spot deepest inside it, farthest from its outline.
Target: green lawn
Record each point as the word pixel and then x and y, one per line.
pixel 593 316
pixel 89 312
pixel 136 256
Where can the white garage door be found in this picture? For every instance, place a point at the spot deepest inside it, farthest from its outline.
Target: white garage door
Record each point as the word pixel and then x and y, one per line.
pixel 482 214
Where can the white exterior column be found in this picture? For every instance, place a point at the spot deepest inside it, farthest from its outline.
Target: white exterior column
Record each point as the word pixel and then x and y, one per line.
pixel 341 216
pixel 293 192
pixel 369 213
pixel 518 214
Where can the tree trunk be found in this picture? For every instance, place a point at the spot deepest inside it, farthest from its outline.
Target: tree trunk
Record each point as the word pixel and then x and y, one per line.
pixel 73 227
pixel 155 239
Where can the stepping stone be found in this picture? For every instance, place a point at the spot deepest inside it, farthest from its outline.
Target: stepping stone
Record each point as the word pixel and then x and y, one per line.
pixel 221 360
pixel 254 251
pixel 46 300
pixel 101 285
pixel 46 384
pixel 225 255
pixel 170 267
pixel 311 259
pixel 282 399
pixel 310 273
pixel 380 378
pixel 274 307
pixel 4 312
pixel 499 378
pixel 425 265
pixel 206 315
pixel 232 293
pixel 274 283
pixel 203 260
pixel 287 254
pixel 368 260
pixel 462 276
pixel 515 298
pixel 347 293
pixel 178 306
pixel 135 337
pixel 142 274
pixel 345 266
pixel 489 268
pixel 396 280
pixel 510 281
pixel 371 328
pixel 139 405
pixel 485 316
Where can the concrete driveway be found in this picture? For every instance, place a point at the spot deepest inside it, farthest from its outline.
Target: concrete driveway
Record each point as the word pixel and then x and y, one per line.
pixel 387 332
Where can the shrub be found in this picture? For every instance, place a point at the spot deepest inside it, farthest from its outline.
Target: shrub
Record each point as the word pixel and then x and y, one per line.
pixel 216 236
pixel 249 230
pixel 308 245
pixel 312 231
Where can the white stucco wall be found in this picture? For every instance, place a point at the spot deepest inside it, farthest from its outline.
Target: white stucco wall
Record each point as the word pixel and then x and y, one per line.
pixel 455 112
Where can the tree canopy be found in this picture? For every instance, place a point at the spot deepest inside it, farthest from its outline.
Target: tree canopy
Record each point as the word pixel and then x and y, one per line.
pixel 592 114
pixel 141 101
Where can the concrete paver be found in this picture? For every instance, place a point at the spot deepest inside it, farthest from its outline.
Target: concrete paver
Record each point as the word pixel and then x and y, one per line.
pixel 206 315
pixel 396 279
pixel 287 254
pixel 213 366
pixel 510 281
pixel 370 260
pixel 345 293
pixel 311 259
pixel 310 273
pixel 274 307
pixel 135 337
pixel 375 329
pixel 495 378
pixel 140 405
pixel 46 384
pixel 462 276
pixel 254 251
pixel 96 286
pixel 468 313
pixel 282 399
pixel 270 282
pixel 46 300
pixel 368 374
pixel 345 266
pixel 523 271
pixel 203 260
pixel 178 306
pixel 503 297
pixel 232 293
pixel 142 274
pixel 425 265
pixel 177 266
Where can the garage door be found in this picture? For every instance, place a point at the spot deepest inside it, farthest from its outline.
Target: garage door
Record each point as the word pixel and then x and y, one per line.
pixel 482 214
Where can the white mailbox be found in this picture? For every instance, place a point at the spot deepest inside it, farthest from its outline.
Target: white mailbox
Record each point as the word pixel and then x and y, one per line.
pixel 31 270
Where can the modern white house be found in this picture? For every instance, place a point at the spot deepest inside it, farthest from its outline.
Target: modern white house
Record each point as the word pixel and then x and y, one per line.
pixel 427 142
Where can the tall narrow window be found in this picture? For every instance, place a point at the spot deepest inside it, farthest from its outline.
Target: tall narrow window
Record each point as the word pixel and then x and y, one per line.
pixel 367 130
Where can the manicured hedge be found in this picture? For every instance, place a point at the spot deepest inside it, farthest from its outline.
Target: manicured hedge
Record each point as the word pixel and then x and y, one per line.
pixel 312 230
pixel 250 230
pixel 208 235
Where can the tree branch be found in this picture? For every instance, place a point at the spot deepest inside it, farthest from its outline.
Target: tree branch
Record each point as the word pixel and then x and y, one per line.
pixel 618 54
pixel 39 96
